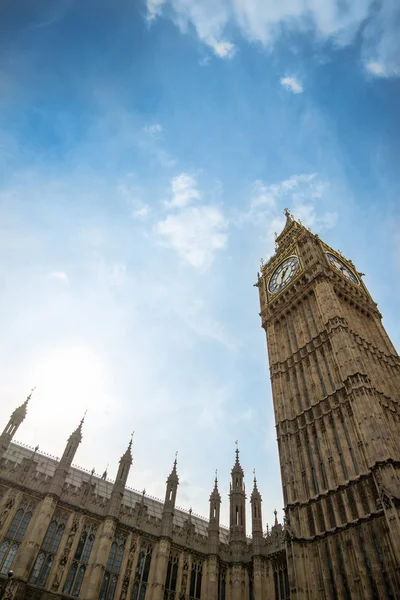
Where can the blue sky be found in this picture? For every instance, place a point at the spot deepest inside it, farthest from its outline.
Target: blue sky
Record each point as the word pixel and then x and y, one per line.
pixel 147 152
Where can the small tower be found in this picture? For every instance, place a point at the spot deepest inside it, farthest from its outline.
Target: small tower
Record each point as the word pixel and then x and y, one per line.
pixel 256 518
pixel 169 502
pixel 237 498
pixel 120 481
pixel 15 421
pixel 64 465
pixel 213 523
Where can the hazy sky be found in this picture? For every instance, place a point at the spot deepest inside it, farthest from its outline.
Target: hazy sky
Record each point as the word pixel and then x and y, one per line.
pixel 146 155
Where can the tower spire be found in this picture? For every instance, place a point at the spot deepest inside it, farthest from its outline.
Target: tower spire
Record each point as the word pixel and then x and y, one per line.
pixel 14 422
pixel 237 498
pixel 68 456
pixel 170 499
pixel 256 517
pixel 118 490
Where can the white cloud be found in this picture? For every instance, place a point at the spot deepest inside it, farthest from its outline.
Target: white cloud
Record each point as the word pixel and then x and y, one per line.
pixel 381 47
pixel 154 8
pixel 304 194
pixel 292 84
pixel 154 129
pixel 196 233
pixel 184 190
pixel 59 276
pixel 261 21
pixel 379 69
pixel 222 48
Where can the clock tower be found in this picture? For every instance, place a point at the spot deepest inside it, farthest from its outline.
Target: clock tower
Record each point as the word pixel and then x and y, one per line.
pixel 336 391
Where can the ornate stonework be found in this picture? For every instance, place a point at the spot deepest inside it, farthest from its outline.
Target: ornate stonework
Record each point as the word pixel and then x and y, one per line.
pixel 335 382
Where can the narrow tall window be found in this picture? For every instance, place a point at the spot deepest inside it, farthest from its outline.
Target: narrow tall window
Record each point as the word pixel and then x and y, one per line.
pixel 339 449
pixel 48 551
pixel 342 570
pixel 381 559
pixel 14 536
pixel 172 577
pixel 331 571
pixel 310 457
pixel 195 580
pixel 321 463
pixel 346 433
pixel 222 583
pixel 142 572
pixel 113 568
pixel 78 568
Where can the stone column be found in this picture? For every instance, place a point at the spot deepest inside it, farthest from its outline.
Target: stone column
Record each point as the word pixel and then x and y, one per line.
pixel 160 569
pixel 99 558
pixel 212 578
pixel 258 576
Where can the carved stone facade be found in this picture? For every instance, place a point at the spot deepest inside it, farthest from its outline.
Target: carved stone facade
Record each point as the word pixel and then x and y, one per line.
pixel 68 533
pixel 336 389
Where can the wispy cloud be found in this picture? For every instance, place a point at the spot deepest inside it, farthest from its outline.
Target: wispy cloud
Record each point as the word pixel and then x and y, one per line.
pixel 154 9
pixel 184 190
pixel 292 84
pixel 263 22
pixel 303 194
pixel 59 276
pixel 222 48
pixel 196 233
pixel 154 129
pixel 381 70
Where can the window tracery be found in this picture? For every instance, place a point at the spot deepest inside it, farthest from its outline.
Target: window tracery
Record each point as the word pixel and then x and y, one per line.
pixel 195 580
pixel 78 568
pixel 14 536
pixel 113 568
pixel 172 576
pixel 48 551
pixel 142 572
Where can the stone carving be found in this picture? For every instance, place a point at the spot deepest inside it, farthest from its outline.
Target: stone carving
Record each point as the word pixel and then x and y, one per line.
pixel 65 555
pixel 128 570
pixel 7 508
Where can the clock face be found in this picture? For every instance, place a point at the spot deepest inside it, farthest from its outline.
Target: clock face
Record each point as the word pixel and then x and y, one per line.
pixel 342 268
pixel 283 274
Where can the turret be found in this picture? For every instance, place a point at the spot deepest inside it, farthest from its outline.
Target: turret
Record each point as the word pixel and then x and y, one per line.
pixel 170 499
pixel 256 518
pixel 118 490
pixel 237 498
pixel 213 523
pixel 15 421
pixel 64 465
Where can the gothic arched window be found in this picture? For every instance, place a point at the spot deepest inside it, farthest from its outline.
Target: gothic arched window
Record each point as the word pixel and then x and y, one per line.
pixel 77 570
pixel 48 551
pixel 195 580
pixel 221 583
pixel 142 572
pixel 113 568
pixel 14 536
pixel 172 576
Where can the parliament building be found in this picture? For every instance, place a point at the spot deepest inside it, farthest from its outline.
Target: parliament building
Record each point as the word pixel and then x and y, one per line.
pixel 68 533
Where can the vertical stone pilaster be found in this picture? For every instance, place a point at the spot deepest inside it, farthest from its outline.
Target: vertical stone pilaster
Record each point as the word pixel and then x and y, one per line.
pixel 212 578
pixel 160 569
pixel 258 577
pixel 99 556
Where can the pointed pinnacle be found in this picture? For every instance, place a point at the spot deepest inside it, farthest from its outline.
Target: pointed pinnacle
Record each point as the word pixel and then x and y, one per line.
pixel 30 395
